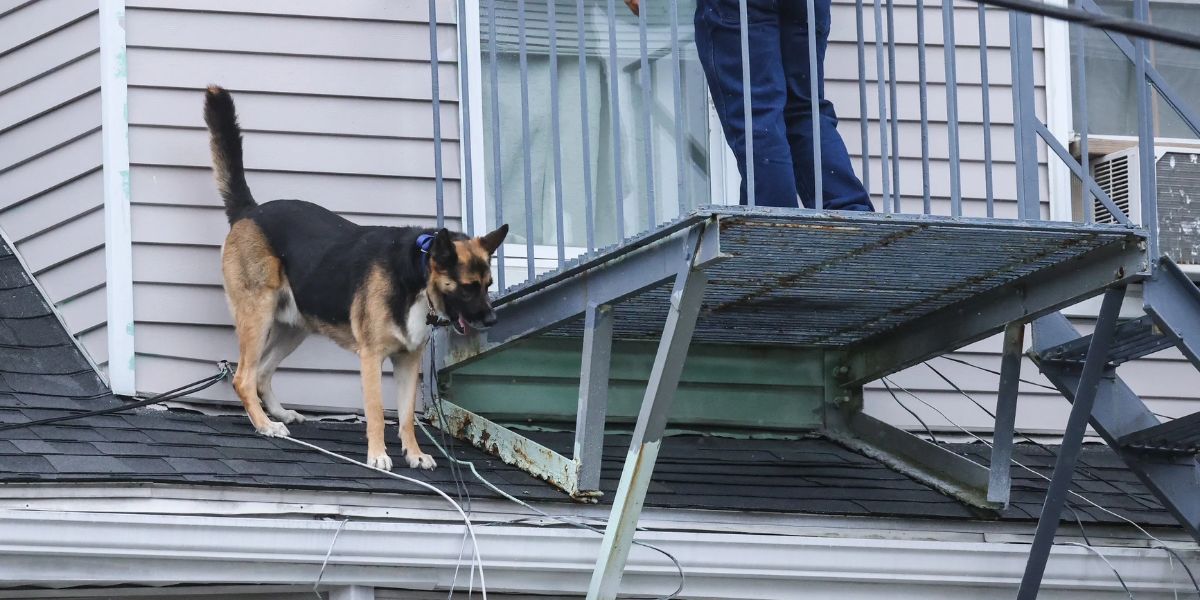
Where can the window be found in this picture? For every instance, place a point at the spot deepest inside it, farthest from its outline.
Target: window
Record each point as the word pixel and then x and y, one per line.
pixel 1111 93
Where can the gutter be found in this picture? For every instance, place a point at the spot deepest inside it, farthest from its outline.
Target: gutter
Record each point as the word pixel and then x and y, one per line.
pixel 56 549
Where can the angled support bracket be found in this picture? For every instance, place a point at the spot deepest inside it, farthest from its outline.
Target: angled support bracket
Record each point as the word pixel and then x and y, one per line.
pixel 1000 479
pixel 651 424
pixel 1094 367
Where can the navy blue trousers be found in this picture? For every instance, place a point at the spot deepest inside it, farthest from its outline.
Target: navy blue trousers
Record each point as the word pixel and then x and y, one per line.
pixel 780 106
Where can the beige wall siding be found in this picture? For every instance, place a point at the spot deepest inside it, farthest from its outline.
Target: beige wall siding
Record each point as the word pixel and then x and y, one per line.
pixel 51 197
pixel 335 102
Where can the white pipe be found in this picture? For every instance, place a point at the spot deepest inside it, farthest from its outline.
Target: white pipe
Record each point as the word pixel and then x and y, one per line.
pixel 118 239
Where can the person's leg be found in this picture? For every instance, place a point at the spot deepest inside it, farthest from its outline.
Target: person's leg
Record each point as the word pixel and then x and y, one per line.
pixel 718 42
pixel 842 189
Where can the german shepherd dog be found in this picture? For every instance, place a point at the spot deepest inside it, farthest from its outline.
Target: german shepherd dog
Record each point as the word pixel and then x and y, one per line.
pixel 292 268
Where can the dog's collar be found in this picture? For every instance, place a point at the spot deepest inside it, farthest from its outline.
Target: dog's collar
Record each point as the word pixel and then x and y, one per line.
pixel 424 243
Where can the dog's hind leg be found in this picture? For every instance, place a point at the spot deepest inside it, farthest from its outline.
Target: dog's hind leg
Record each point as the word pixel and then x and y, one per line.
pixel 407 370
pixel 253 280
pixel 282 340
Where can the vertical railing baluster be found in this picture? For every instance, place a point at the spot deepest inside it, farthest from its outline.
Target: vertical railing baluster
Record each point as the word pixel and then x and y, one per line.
pixel 677 95
pixel 1078 38
pixel 438 180
pixel 614 95
pixel 893 110
pixel 744 28
pixel 1146 157
pixel 526 143
pixel 864 122
pixel 555 129
pixel 647 127
pixel 951 105
pixel 923 88
pixel 987 112
pixel 1024 115
pixel 497 179
pixel 589 218
pixel 465 122
pixel 814 106
pixel 880 84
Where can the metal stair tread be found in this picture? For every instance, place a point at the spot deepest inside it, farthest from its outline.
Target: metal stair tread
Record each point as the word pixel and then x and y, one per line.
pixel 1177 436
pixel 1132 339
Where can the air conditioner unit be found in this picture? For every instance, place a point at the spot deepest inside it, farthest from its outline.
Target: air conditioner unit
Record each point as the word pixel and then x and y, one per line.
pixel 1177 172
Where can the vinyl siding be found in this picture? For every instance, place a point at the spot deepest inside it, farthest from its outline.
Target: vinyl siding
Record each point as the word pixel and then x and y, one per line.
pixel 51 197
pixel 335 102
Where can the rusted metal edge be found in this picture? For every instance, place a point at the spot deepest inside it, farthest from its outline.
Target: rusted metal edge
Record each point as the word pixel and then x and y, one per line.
pixel 929 463
pixel 513 448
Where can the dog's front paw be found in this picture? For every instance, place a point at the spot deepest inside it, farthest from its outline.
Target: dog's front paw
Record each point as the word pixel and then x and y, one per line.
pixel 419 460
pixel 274 429
pixel 381 461
pixel 288 416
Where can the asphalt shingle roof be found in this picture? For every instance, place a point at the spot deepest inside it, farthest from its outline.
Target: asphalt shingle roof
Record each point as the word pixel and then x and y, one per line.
pixel 43 374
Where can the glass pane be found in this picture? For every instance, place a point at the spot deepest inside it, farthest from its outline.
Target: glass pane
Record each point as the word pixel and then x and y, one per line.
pixel 1111 91
pixel 514 150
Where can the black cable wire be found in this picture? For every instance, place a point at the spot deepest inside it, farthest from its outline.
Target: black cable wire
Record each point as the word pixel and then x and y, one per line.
pixel 179 392
pixel 1099 21
pixel 1083 467
pixel 909 410
pixel 997 373
pixel 1188 570
pixel 1082 531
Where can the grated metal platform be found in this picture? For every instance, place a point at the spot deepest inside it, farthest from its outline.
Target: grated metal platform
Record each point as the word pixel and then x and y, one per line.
pixel 803 278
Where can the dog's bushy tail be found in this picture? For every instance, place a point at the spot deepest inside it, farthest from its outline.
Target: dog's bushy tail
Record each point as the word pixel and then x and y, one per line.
pixel 226 143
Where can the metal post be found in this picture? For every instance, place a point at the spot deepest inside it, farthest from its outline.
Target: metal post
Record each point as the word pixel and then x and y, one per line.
pixel 468 166
pixel 1078 37
pixel 647 125
pixel 497 156
pixel 987 112
pixel 744 28
pixel 593 396
pixel 677 95
pixel 526 142
pixel 923 101
pixel 952 105
pixel 1028 200
pixel 439 182
pixel 555 132
pixel 1064 467
pixel 814 106
pixel 614 95
pixel 1000 480
pixel 863 119
pixel 589 217
pixel 647 435
pixel 894 111
pixel 1146 156
pixel 880 84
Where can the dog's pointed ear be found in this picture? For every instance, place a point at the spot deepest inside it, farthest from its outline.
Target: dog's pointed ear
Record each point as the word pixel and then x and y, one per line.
pixel 442 251
pixel 492 240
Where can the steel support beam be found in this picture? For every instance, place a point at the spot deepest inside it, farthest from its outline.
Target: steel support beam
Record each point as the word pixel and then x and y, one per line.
pixel 510 446
pixel 593 396
pixel 1064 467
pixel 1119 413
pixel 950 473
pixel 1000 481
pixel 986 314
pixel 647 435
pixel 1173 301
pixel 627 275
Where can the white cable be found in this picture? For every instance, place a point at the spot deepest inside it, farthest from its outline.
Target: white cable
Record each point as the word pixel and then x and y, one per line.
pixel 1106 561
pixel 470 529
pixel 561 519
pixel 328 553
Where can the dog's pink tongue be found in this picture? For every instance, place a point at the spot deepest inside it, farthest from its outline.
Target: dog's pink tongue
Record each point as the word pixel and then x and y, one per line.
pixel 462 324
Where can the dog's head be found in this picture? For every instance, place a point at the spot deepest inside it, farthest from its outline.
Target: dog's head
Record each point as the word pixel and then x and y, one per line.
pixel 460 273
